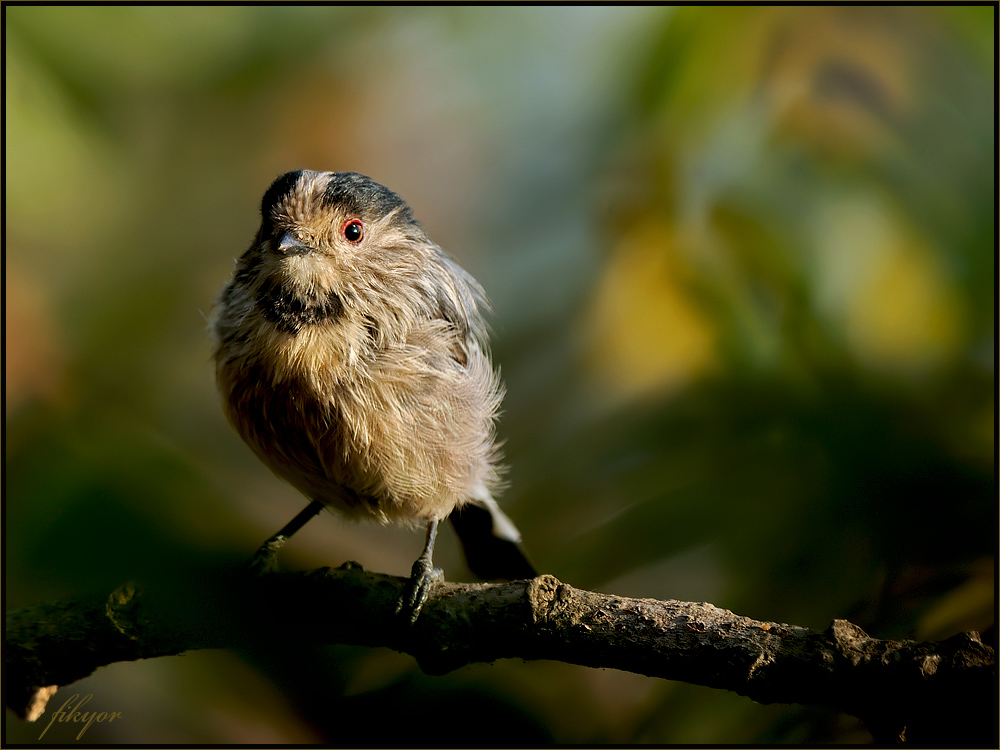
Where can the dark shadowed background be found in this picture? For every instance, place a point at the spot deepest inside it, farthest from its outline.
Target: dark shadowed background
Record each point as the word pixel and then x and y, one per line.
pixel 742 265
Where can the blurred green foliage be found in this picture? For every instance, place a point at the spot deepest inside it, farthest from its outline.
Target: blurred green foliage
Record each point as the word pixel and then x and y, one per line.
pixel 743 267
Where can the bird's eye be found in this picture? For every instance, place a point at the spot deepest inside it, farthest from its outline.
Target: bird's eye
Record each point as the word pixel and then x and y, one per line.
pixel 353 230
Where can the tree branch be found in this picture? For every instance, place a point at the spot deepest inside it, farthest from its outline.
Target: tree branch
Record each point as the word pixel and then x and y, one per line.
pixel 903 690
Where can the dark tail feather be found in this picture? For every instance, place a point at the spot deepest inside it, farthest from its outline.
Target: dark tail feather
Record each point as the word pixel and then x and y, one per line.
pixel 490 547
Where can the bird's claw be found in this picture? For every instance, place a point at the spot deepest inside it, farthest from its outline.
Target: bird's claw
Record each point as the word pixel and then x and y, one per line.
pixel 418 586
pixel 265 559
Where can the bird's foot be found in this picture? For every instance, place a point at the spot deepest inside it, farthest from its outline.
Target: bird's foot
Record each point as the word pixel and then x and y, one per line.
pixel 265 559
pixel 422 577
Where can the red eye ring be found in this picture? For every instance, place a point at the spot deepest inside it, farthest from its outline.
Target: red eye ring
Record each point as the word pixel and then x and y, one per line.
pixel 353 231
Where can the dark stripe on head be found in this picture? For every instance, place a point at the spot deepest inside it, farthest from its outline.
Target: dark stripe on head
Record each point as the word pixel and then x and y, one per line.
pixel 361 196
pixel 278 190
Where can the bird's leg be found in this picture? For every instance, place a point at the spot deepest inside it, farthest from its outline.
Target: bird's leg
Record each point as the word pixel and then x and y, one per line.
pixel 264 558
pixel 421 577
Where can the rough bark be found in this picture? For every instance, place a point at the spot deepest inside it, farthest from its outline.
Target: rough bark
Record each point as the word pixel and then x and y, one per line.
pixel 903 690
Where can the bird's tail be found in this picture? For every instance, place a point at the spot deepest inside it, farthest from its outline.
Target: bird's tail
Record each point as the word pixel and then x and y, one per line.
pixel 491 542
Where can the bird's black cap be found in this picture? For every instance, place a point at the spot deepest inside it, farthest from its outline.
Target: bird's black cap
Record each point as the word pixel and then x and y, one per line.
pixel 354 193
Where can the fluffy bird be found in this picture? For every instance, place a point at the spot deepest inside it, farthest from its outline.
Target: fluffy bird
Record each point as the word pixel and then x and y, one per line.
pixel 353 358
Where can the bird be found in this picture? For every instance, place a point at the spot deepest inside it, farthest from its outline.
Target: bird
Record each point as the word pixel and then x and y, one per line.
pixel 352 356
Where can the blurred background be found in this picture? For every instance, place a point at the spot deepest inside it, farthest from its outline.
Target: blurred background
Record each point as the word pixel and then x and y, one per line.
pixel 742 265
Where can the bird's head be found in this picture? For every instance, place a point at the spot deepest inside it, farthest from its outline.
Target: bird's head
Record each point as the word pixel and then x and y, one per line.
pixel 331 242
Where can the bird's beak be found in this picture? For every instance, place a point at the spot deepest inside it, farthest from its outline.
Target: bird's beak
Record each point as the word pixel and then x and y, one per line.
pixel 288 245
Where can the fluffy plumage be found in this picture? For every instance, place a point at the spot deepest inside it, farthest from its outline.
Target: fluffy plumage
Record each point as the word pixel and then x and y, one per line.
pixel 359 370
